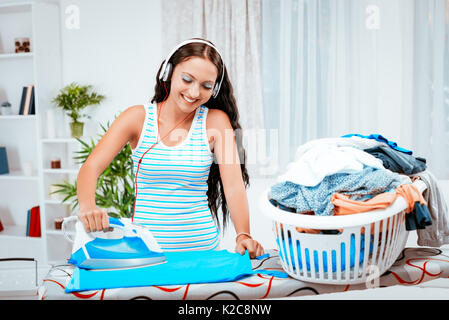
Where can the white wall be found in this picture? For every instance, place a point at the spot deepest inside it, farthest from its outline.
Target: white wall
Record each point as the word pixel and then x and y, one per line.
pixel 117 49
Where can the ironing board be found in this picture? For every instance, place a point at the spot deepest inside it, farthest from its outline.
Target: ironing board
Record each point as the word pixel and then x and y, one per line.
pixel 412 268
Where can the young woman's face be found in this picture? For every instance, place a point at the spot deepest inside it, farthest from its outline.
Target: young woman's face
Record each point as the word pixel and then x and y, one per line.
pixel 192 83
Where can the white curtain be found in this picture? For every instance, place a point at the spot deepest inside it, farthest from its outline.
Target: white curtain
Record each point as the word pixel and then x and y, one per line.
pixel 328 68
pixel 234 26
pixel 333 67
pixel 431 84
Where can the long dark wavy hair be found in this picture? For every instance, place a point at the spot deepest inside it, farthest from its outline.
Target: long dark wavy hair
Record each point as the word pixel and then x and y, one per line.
pixel 224 101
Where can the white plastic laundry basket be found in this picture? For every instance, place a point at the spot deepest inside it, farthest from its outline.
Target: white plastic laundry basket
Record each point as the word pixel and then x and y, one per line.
pixel 366 246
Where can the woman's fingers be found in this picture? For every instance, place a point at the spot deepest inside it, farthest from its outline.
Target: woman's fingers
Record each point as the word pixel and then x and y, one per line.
pixel 260 250
pixel 94 220
pixel 254 248
pixel 83 218
pixel 98 219
pixel 105 220
pixel 91 221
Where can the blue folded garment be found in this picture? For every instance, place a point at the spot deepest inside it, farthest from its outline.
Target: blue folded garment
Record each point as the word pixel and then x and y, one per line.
pixel 181 268
pixel 324 255
pixel 380 138
pixel 396 161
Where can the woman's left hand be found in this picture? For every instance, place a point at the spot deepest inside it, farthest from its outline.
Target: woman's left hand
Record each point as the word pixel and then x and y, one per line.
pixel 245 243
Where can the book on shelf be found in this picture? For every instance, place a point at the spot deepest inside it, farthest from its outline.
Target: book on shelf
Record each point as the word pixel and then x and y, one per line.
pixel 4 167
pixel 27 103
pixel 28 222
pixel 34 222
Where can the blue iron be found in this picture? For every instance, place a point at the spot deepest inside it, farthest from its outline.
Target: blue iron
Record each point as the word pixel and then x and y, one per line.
pixel 128 245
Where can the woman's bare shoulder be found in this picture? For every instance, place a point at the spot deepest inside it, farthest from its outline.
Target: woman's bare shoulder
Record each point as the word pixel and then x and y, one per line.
pixel 132 120
pixel 217 119
pixel 217 123
pixel 137 111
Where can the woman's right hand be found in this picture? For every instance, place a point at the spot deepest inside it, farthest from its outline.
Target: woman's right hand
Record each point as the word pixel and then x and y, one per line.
pixel 94 219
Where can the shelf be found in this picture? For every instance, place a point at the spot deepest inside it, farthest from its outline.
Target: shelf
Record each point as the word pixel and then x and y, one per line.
pixel 16 233
pixel 17 175
pixel 61 171
pixel 57 202
pixel 18 6
pixel 4 56
pixel 55 232
pixel 18 117
pixel 59 140
pixel 59 233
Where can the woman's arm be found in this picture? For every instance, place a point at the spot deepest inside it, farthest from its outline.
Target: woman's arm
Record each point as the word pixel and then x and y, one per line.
pixel 126 128
pixel 225 149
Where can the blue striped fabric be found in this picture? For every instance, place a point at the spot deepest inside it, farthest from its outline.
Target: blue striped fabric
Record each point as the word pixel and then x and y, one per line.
pixel 172 186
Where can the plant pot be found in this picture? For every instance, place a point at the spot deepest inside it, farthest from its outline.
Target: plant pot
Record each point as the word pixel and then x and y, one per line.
pixel 76 129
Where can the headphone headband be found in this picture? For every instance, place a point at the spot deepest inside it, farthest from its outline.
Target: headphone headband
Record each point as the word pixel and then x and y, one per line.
pixel 166 67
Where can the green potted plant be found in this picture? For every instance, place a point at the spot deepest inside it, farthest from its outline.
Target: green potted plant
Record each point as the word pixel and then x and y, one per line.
pixel 73 98
pixel 115 186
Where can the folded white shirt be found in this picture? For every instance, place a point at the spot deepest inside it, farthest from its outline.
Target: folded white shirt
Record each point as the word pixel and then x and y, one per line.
pixel 354 141
pixel 316 160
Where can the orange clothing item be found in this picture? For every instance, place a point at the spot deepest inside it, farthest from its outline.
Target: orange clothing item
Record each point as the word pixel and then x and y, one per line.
pixel 343 205
pixel 411 195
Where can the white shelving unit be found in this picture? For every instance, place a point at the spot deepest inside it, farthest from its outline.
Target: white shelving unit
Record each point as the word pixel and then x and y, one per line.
pixel 62 148
pixel 26 137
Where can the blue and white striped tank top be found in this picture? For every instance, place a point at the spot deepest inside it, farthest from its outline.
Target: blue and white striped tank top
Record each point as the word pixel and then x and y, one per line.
pixel 172 186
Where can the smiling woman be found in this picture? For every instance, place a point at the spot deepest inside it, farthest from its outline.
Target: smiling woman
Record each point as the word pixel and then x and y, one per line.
pixel 191 86
pixel 187 165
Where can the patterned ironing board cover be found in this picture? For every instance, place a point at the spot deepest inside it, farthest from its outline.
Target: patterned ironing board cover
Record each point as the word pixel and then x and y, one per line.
pixel 413 267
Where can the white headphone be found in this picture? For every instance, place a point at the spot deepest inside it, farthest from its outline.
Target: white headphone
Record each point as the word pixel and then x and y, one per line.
pixel 167 67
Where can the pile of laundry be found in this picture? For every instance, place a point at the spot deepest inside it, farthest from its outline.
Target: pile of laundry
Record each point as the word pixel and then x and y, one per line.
pixel 358 173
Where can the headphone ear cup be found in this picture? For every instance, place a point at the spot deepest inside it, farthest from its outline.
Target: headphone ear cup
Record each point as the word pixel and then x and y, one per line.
pixel 167 72
pixel 215 91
